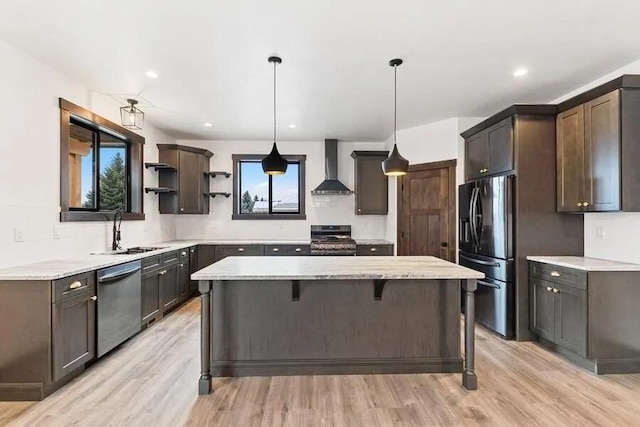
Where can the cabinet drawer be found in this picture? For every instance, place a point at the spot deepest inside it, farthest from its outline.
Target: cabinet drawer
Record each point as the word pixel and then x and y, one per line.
pixel 374 250
pixel 71 286
pixel 238 250
pixel 286 250
pixel 557 274
pixel 150 265
pixel 170 258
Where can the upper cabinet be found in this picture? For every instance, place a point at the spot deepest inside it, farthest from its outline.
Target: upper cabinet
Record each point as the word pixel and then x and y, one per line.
pixel 490 151
pixel 372 185
pixel 597 150
pixel 188 177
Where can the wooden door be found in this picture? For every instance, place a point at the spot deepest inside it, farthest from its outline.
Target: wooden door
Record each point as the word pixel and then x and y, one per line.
pixel 571 318
pixel 426 210
pixel 73 332
pixel 476 155
pixel 542 312
pixel 191 192
pixel 500 147
pixel 602 153
pixel 570 159
pixel 372 185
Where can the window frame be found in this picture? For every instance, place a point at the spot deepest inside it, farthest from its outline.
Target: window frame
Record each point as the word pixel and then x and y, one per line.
pixel 300 215
pixel 134 165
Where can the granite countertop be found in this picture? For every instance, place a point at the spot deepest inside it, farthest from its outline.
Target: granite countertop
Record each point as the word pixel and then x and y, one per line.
pixel 64 267
pixel 334 267
pixel 585 264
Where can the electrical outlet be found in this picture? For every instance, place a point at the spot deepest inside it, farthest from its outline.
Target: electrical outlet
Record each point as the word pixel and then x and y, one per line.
pixel 18 234
pixel 601 233
pixel 57 233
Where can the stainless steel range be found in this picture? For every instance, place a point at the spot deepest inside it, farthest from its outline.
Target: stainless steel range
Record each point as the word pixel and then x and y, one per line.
pixel 332 240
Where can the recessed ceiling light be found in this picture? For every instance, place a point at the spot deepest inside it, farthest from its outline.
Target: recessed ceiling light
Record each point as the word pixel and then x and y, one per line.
pixel 292 126
pixel 520 72
pixel 152 74
pixel 208 125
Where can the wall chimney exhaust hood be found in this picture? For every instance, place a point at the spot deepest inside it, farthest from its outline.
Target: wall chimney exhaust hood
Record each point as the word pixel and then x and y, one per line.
pixel 331 185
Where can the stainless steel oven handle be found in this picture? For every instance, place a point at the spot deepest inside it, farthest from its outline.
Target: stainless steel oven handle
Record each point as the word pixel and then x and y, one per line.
pixel 487 284
pixel 481 262
pixel 117 276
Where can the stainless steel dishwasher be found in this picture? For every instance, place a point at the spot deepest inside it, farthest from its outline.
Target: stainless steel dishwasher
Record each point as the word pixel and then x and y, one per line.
pixel 119 305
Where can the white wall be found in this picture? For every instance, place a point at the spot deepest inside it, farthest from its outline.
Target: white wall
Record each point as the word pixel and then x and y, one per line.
pixel 30 171
pixel 620 232
pixel 319 209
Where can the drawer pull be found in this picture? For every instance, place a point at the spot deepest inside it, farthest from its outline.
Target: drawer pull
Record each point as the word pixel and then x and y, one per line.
pixel 184 253
pixel 556 291
pixel 374 249
pixel 94 298
pixel 555 274
pixel 276 249
pixel 75 285
pixel 585 204
pixel 240 249
pixel 579 204
pixel 298 250
pixel 181 265
pixel 549 288
pixel 192 251
pixel 163 272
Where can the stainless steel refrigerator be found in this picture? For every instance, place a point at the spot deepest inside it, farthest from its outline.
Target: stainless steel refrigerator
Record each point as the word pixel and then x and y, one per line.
pixel 486 242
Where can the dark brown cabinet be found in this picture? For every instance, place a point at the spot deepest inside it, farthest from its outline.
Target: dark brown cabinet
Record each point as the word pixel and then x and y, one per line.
pixel 490 151
pixel 73 332
pixel 184 283
pixel 169 285
pixel 188 177
pixel 374 249
pixel 286 250
pixel 371 184
pixel 150 282
pixel 542 309
pixel 224 251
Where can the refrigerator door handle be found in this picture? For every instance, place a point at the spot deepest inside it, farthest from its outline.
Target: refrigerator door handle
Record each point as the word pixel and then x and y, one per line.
pixel 487 284
pixel 481 262
pixel 472 218
pixel 478 216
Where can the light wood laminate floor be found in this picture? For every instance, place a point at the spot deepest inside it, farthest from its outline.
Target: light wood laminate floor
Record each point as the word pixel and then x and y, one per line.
pixel 152 381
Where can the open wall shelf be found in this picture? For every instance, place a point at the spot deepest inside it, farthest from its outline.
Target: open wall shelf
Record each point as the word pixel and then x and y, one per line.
pixel 160 166
pixel 218 173
pixel 158 190
pixel 218 193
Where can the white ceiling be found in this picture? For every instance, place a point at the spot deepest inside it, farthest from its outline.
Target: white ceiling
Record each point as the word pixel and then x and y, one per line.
pixel 211 56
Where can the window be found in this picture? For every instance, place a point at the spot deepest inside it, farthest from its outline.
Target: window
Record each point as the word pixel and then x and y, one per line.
pixel 101 167
pixel 260 196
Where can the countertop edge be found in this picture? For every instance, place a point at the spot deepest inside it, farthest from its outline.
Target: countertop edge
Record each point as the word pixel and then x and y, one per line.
pixel 597 264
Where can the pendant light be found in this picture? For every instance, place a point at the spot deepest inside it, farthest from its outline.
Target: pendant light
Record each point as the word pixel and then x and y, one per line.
pixel 274 163
pixel 131 116
pixel 395 164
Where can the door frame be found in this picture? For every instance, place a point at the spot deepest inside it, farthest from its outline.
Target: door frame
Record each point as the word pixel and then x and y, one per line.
pixel 453 202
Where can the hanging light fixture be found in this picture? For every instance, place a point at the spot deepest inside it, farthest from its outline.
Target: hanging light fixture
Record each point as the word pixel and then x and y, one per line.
pixel 274 163
pixel 131 116
pixel 395 164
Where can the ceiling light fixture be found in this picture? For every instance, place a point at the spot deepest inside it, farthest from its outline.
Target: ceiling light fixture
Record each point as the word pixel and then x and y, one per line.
pixel 152 74
pixel 395 164
pixel 131 116
pixel 207 125
pixel 292 126
pixel 274 163
pixel 520 72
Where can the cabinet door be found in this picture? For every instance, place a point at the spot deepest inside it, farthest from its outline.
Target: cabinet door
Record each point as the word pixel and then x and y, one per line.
pixel 571 319
pixel 183 281
pixel 602 153
pixel 500 147
pixel 193 267
pixel 73 334
pixel 191 191
pixel 150 296
pixel 374 250
pixel 169 286
pixel 372 186
pixel 542 311
pixel 570 159
pixel 206 256
pixel 476 155
pixel 238 250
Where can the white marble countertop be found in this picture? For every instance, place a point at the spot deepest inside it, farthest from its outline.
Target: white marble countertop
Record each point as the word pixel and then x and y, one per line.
pixel 334 267
pixel 64 267
pixel 585 264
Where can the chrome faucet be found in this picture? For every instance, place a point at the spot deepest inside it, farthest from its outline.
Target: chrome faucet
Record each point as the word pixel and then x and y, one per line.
pixel 115 245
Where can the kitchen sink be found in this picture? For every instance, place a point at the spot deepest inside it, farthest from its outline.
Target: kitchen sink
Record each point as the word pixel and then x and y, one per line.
pixel 134 250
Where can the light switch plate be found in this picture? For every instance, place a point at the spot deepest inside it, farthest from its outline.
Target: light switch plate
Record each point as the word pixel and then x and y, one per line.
pixel 57 233
pixel 601 233
pixel 18 234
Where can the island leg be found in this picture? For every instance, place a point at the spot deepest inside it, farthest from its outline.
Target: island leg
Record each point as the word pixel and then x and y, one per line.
pixel 469 378
pixel 204 383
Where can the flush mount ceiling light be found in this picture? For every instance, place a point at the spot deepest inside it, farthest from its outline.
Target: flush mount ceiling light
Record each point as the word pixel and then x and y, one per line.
pixel 395 164
pixel 274 163
pixel 520 72
pixel 152 74
pixel 131 116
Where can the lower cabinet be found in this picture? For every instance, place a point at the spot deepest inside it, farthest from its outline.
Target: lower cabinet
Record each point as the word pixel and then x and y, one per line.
pixel 374 250
pixel 286 250
pixel 73 333
pixel 150 297
pixel 193 267
pixel 238 250
pixel 183 281
pixel 169 284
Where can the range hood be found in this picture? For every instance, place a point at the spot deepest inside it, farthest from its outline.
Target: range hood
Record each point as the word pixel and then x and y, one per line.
pixel 331 185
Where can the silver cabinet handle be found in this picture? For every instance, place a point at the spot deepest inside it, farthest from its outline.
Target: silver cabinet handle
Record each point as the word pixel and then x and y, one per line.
pixel 374 249
pixel 276 249
pixel 549 289
pixel 163 272
pixel 94 298
pixel 555 274
pixel 193 251
pixel 181 265
pixel 181 209
pixel 240 249
pixel 298 250
pixel 556 291
pixel 184 253
pixel 75 285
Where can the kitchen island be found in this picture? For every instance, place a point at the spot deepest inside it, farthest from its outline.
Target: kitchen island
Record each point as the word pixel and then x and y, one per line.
pixel 335 315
